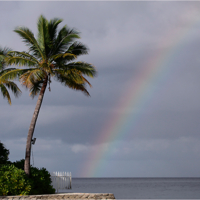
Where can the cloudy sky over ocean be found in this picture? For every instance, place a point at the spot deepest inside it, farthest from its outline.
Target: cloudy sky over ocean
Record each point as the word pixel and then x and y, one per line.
pixel 143 116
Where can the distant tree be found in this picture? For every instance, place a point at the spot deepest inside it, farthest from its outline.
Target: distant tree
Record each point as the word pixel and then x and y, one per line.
pixel 4 153
pixel 52 54
pixel 6 84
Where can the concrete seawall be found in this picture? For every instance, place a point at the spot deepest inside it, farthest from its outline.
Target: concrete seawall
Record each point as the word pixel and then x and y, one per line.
pixel 62 196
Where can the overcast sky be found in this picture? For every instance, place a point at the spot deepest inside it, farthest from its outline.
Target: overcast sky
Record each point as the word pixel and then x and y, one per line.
pixel 142 119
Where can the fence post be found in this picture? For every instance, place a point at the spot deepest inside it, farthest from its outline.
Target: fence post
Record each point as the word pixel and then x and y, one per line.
pixel 70 179
pixel 58 174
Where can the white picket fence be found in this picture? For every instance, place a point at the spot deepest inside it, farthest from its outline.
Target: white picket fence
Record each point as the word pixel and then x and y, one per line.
pixel 61 180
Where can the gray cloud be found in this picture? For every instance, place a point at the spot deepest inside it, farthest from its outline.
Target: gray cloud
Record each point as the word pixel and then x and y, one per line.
pixel 125 40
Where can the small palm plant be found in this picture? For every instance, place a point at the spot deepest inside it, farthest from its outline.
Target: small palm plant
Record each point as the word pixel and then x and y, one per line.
pixel 51 55
pixel 6 84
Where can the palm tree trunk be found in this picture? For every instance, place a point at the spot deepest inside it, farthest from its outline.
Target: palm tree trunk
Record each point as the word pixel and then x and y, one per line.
pixel 32 127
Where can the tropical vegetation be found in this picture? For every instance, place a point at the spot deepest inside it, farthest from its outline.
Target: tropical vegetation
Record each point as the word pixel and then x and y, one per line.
pixel 7 84
pixel 3 154
pixel 14 181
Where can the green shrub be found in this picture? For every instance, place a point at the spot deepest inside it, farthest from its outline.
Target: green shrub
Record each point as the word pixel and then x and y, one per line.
pixel 40 179
pixel 3 154
pixel 19 164
pixel 13 181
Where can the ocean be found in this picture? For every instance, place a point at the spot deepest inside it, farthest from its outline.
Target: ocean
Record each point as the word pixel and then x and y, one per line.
pixel 140 188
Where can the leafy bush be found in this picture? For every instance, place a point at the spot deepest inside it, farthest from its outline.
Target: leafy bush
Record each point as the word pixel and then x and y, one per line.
pixel 3 154
pixel 40 179
pixel 13 181
pixel 19 164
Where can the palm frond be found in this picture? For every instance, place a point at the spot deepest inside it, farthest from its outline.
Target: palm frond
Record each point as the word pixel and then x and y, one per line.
pixel 67 56
pixel 13 87
pixel 5 93
pixel 43 35
pixel 12 74
pixel 4 82
pixel 3 53
pixel 64 39
pixel 22 54
pixel 29 39
pixel 69 82
pixel 5 71
pixel 72 74
pixel 86 81
pixel 31 77
pixel 35 88
pixel 52 26
pixel 85 68
pixel 77 48
pixel 20 61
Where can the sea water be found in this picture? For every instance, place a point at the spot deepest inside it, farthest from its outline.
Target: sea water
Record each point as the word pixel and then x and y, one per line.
pixel 139 188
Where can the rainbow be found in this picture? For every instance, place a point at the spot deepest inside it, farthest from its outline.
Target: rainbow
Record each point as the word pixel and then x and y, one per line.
pixel 137 96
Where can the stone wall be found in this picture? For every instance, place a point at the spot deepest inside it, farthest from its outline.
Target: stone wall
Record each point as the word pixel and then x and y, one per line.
pixel 62 196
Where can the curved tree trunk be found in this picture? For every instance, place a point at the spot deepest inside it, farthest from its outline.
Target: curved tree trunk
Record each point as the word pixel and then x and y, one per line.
pixel 32 127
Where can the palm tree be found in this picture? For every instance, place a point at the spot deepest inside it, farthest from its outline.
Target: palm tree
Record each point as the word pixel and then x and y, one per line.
pixel 6 84
pixel 51 55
